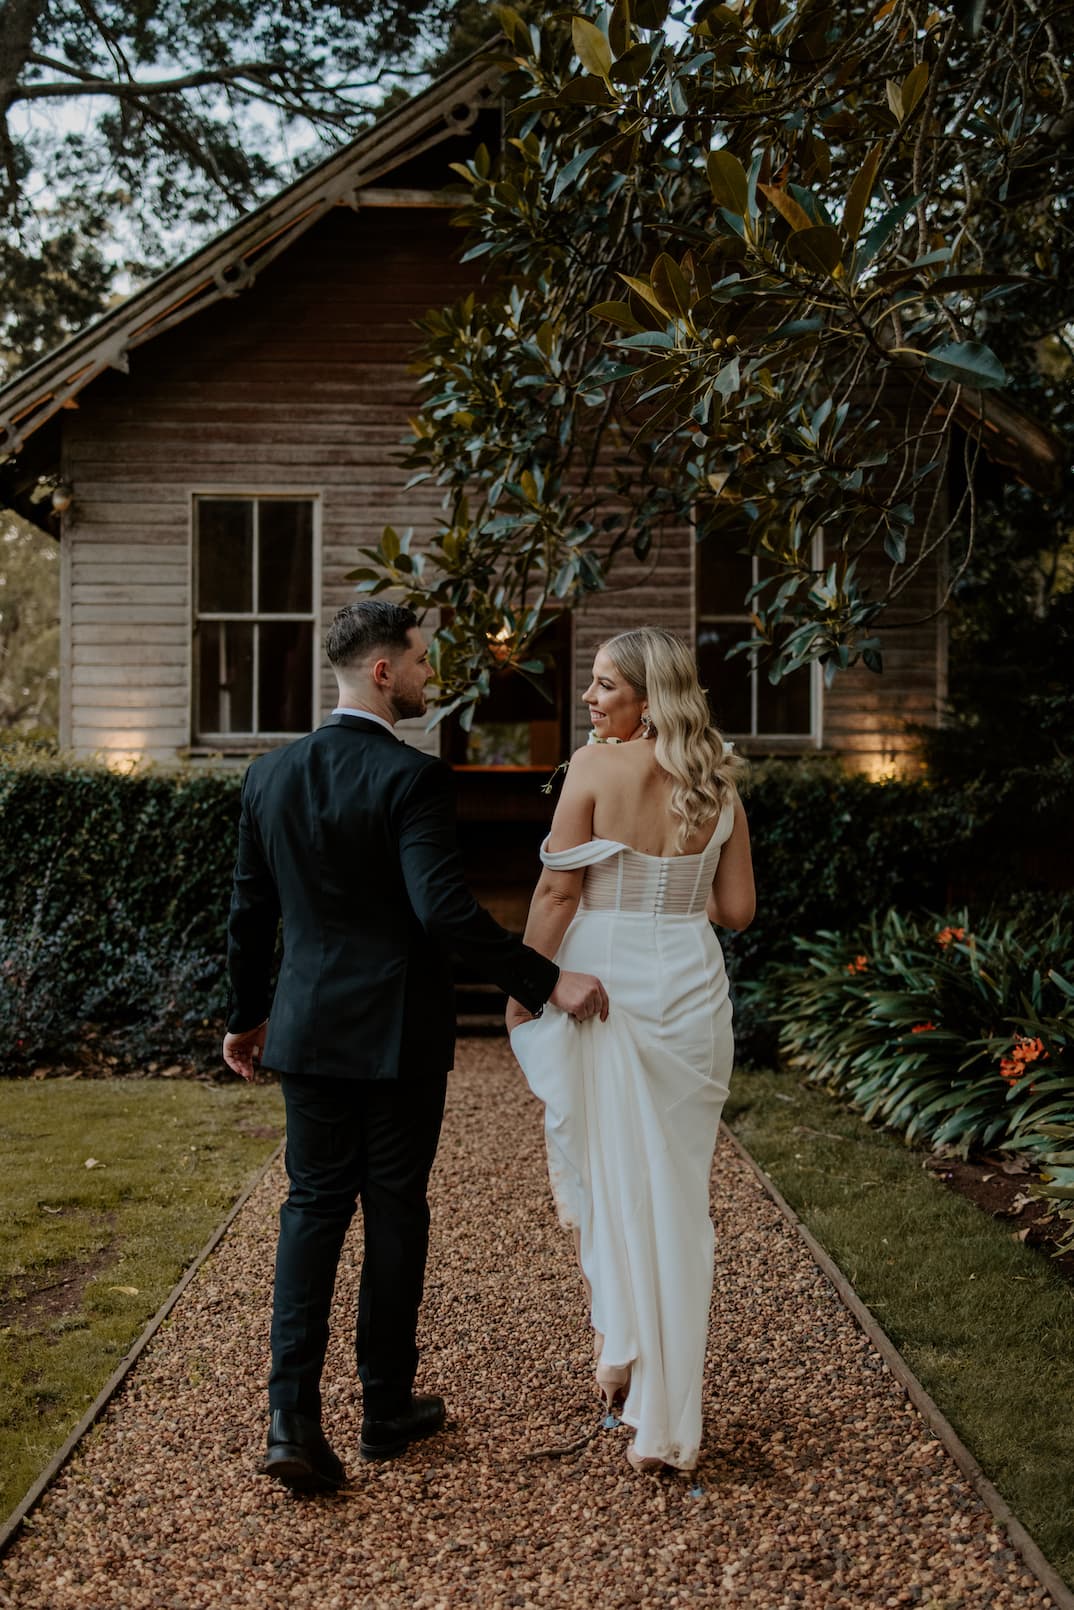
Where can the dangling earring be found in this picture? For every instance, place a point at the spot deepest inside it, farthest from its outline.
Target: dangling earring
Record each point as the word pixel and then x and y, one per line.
pixel 648 730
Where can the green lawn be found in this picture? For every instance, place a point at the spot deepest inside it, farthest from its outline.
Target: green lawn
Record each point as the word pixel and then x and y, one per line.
pixel 984 1322
pixel 89 1253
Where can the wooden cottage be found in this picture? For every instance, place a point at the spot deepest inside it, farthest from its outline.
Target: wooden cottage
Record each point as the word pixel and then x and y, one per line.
pixel 227 438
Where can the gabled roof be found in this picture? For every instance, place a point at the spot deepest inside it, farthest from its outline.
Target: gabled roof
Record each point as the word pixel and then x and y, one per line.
pixel 232 260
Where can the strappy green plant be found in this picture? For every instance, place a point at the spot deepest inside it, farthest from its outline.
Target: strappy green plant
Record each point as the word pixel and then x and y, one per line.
pixel 960 1038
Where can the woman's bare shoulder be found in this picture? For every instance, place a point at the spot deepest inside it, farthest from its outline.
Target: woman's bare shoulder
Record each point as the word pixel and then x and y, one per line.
pixel 592 755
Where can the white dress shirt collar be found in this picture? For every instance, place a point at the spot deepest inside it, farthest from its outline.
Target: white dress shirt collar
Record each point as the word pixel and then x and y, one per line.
pixel 366 715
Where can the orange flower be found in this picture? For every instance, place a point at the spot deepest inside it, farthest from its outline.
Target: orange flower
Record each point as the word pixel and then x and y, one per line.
pixel 947 935
pixel 858 965
pixel 922 1028
pixel 1024 1051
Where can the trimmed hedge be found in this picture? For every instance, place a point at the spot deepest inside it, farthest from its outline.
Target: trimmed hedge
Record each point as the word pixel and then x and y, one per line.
pixel 109 880
pixel 114 890
pixel 156 846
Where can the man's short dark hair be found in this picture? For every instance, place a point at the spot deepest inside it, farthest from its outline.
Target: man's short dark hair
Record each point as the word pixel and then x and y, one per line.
pixel 370 624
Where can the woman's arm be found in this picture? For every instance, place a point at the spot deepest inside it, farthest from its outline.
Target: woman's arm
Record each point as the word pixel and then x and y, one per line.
pixel 732 900
pixel 555 899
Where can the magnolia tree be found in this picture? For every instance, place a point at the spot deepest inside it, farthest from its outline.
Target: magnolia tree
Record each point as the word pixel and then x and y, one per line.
pixel 746 263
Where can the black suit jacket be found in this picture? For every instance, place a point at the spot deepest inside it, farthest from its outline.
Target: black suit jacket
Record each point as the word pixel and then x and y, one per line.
pixel 349 836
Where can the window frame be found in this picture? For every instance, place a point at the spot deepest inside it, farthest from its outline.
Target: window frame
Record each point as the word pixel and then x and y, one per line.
pixel 247 742
pixel 776 742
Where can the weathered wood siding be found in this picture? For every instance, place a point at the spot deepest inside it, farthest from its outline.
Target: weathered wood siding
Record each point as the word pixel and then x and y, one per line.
pixel 302 384
pixel 299 384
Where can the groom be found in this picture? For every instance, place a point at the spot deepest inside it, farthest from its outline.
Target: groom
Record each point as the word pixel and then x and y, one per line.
pixel 348 836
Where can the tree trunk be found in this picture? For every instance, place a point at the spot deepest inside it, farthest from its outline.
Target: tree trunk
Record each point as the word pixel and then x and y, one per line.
pixel 18 20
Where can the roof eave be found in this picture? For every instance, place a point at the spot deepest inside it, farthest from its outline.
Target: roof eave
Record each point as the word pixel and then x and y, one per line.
pixel 232 259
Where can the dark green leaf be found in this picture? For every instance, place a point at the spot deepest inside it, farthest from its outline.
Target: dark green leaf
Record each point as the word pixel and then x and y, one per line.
pixel 895 546
pixel 882 231
pixel 727 180
pixel 859 193
pixel 670 285
pixel 647 338
pixel 967 362
pixel 570 171
pixel 615 313
pixel 818 247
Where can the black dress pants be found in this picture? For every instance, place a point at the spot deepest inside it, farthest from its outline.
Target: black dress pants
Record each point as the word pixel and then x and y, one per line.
pixel 350 1141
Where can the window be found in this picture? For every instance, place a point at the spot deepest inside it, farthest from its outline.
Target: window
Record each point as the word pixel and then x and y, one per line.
pixel 254 638
pixel 744 703
pixel 520 723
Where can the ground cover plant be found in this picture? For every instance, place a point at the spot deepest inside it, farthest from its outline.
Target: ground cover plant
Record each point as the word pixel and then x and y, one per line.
pixel 109 1189
pixel 983 1320
pixel 958 1035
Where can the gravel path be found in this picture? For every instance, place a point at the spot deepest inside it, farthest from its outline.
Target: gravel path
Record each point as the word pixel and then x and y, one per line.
pixel 819 1485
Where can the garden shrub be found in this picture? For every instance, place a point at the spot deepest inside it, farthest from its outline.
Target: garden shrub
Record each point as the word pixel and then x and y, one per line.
pixel 959 1034
pixel 114 890
pixel 140 996
pixel 157 845
pixel 99 869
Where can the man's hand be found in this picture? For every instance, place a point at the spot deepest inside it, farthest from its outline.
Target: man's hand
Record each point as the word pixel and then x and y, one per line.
pixel 581 995
pixel 242 1052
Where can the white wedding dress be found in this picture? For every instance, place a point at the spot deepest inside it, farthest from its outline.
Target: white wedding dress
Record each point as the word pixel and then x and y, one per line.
pixel 632 1108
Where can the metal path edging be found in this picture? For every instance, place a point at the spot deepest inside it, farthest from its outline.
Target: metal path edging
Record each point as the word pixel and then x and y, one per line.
pixel 926 1406
pixel 14 1521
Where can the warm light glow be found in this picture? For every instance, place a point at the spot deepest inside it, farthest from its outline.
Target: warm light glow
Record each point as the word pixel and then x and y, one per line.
pixel 127 758
pixel 883 768
pixel 500 644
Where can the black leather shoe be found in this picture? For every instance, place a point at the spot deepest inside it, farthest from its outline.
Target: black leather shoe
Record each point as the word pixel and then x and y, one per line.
pixel 383 1439
pixel 299 1455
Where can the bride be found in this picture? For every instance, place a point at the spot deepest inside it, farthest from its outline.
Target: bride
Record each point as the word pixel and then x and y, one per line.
pixel 649 846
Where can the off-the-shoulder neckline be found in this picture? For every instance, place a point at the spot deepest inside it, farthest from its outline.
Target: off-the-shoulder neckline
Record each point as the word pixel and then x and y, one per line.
pixel 689 855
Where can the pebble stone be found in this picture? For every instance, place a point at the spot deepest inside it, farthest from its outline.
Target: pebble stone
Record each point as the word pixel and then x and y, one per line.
pixel 819 1484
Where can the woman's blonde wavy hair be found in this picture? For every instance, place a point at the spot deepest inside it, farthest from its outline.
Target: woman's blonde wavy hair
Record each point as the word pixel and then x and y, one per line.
pixel 660 668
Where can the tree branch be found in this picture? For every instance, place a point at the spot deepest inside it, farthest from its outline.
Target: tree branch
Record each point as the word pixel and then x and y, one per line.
pixel 259 72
